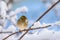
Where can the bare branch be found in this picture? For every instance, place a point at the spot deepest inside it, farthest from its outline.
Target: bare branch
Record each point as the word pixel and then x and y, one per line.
pixel 5 32
pixel 33 29
pixel 26 31
pixel 22 35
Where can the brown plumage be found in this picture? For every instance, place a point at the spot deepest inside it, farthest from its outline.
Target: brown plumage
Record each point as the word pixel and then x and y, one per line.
pixel 22 23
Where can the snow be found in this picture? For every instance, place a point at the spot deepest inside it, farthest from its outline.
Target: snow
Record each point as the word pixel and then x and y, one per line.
pixel 11 28
pixel 37 24
pixel 43 35
pixel 58 23
pixel 21 9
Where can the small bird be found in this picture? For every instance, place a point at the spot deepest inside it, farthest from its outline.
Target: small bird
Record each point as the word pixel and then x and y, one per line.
pixel 22 23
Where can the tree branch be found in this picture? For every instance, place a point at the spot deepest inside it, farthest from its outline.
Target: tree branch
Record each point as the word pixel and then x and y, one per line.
pixel 26 31
pixel 5 32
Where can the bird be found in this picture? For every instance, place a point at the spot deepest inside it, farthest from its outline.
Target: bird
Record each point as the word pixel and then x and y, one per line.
pixel 22 23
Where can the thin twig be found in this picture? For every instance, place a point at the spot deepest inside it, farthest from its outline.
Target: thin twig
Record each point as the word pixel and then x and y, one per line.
pixel 22 35
pixel 26 31
pixel 33 29
pixel 5 32
pixel 41 17
pixel 9 35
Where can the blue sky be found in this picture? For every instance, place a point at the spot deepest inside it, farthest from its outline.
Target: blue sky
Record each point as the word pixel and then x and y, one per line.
pixel 35 9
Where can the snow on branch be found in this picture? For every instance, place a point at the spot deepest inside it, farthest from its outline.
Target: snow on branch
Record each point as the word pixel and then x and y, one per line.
pixel 37 25
pixel 18 10
pixel 26 30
